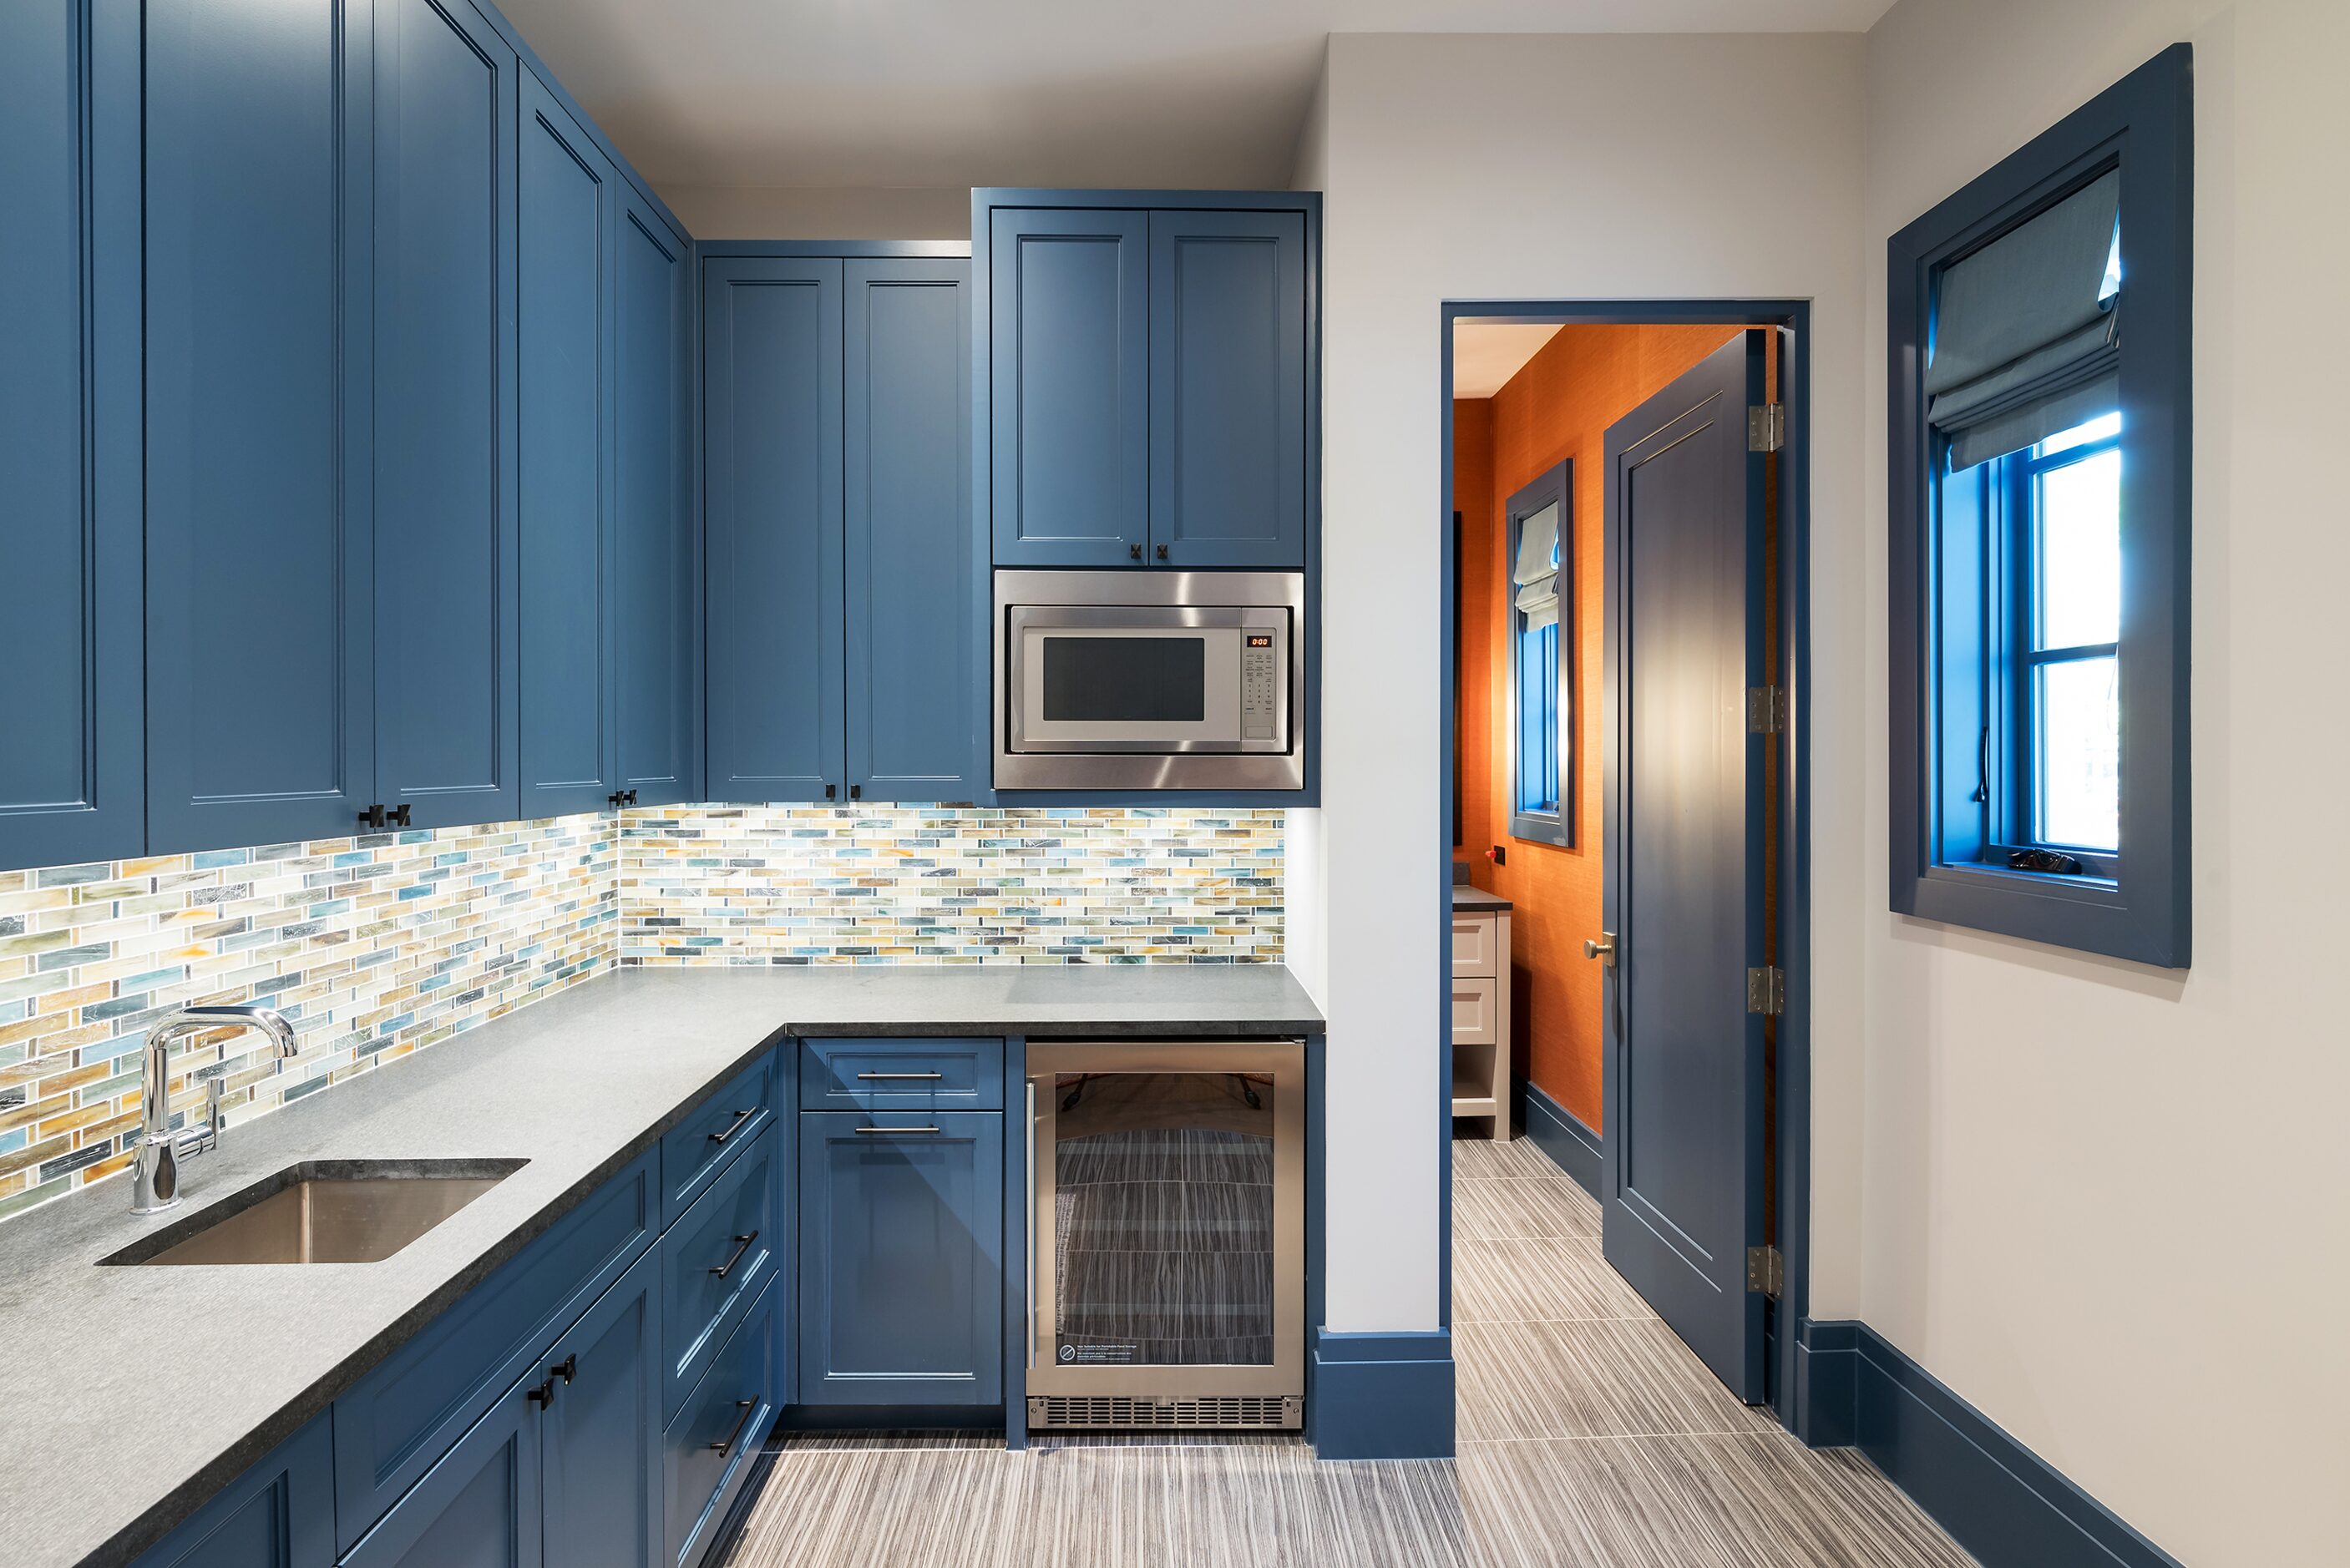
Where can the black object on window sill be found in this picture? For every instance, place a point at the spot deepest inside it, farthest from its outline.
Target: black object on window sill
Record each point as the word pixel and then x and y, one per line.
pixel 2042 860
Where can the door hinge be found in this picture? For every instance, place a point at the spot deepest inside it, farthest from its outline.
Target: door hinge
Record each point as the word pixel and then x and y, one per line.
pixel 1766 992
pixel 1766 710
pixel 1764 1271
pixel 1766 426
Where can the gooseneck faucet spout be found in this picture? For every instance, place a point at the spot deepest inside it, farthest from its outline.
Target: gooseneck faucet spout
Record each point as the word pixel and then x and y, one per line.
pixel 155 1172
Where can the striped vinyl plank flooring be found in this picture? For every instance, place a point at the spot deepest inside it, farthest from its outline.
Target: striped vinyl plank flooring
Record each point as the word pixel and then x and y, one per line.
pixel 1492 1209
pixel 1618 1378
pixel 1490 1157
pixel 1551 1279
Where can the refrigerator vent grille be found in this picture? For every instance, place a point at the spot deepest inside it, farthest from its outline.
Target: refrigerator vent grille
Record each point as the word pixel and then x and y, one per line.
pixel 1275 1412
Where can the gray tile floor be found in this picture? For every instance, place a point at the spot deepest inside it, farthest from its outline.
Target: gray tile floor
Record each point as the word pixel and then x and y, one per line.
pixel 1589 1438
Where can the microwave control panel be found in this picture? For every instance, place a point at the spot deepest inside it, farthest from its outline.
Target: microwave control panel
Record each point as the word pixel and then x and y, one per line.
pixel 1260 687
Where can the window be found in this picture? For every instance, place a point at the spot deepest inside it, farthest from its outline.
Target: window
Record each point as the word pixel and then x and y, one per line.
pixel 1541 553
pixel 2040 455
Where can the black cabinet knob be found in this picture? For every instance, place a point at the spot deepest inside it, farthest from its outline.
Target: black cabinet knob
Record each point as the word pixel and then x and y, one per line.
pixel 828 792
pixel 1162 552
pixel 1134 551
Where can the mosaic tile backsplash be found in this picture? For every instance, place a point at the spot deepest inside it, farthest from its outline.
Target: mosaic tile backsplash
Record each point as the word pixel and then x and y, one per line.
pixel 795 885
pixel 372 947
pixel 386 943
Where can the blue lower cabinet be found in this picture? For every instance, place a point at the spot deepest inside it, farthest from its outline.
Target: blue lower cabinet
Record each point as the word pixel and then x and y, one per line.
pixel 714 1263
pixel 601 1467
pixel 278 1514
pixel 479 1507
pixel 707 1455
pixel 914 1074
pixel 695 1151
pixel 901 1258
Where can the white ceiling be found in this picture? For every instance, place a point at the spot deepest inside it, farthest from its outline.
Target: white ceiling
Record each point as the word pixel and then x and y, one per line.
pixel 942 93
pixel 1486 354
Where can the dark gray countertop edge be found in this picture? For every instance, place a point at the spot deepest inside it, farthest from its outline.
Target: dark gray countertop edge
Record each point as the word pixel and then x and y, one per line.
pixel 182 1504
pixel 1465 897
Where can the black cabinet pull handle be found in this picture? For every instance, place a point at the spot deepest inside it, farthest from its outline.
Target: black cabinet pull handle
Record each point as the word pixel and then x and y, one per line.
pixel 1162 552
pixel 617 799
pixel 1134 551
pixel 857 792
pixel 740 1118
pixel 828 792
pixel 632 798
pixel 400 818
pixel 742 1245
pixel 374 817
pixel 895 1077
pixel 567 1370
pixel 726 1445
pixel 888 1130
pixel 544 1394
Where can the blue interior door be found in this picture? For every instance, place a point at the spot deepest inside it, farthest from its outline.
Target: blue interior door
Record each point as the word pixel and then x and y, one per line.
pixel 260 687
pixel 69 471
pixel 1228 389
pixel 1682 1177
pixel 562 240
pixel 1069 405
pixel 771 360
pixel 658 533
pixel 447 666
pixel 914 616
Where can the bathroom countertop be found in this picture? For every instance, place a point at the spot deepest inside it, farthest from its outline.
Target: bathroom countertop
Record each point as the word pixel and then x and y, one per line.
pixel 1473 899
pixel 132 1395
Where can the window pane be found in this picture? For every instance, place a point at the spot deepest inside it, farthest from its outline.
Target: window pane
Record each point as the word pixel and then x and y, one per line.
pixel 1537 784
pixel 2078 708
pixel 2098 429
pixel 2080 564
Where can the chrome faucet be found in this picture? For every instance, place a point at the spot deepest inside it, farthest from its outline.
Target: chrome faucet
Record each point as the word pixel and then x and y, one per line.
pixel 155 1174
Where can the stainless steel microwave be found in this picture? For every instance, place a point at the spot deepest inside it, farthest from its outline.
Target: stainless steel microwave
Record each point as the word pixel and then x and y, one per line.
pixel 1149 680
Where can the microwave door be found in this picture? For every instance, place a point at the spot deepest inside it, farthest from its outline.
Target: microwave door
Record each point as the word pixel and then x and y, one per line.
pixel 1127 688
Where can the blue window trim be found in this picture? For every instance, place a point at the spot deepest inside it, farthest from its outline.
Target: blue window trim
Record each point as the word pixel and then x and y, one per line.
pixel 1556 827
pixel 2143 125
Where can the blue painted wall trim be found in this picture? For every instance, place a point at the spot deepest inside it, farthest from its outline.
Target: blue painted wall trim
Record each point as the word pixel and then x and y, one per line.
pixel 1560 1134
pixel 1381 1396
pixel 2000 1500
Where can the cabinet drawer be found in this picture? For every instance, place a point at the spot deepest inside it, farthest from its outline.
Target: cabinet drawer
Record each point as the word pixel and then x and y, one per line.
pixel 708 1453
pixel 909 1074
pixel 401 1417
pixel 714 1262
pixel 695 1150
pixel 1473 1019
pixel 1475 945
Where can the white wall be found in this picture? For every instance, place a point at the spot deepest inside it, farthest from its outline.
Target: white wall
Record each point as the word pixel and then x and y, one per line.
pixel 828 213
pixel 2110 1205
pixel 1553 166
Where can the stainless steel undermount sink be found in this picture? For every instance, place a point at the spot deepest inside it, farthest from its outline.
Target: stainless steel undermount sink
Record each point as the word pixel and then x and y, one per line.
pixel 323 1211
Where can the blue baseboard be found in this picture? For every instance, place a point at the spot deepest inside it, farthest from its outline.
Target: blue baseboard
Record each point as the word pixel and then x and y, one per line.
pixel 1998 1498
pixel 1382 1395
pixel 1558 1133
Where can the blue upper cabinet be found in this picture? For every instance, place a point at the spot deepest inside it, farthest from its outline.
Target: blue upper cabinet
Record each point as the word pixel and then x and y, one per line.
pixel 1228 389
pixel 259 686
pixel 772 369
pixel 1069 393
pixel 446 568
pixel 658 585
pixel 915 710
pixel 563 238
pixel 69 442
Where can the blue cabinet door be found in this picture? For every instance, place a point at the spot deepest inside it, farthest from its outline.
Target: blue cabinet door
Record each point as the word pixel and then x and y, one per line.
pixel 70 782
pixel 259 556
pixel 771 360
pixel 1228 389
pixel 916 666
pixel 1069 404
pixel 278 1514
pixel 562 240
pixel 901 1258
pixel 601 1464
pixel 446 665
pixel 479 1507
pixel 657 717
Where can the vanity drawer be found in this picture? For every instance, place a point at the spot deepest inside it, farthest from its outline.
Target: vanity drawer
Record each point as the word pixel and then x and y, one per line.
pixel 714 1263
pixel 1475 950
pixel 903 1074
pixel 723 1125
pixel 1474 1020
pixel 710 1445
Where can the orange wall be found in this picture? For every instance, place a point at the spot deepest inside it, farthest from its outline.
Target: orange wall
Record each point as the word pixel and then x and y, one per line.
pixel 1558 407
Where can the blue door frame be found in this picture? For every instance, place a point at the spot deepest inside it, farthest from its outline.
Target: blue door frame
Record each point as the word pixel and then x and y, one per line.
pixel 1791 1158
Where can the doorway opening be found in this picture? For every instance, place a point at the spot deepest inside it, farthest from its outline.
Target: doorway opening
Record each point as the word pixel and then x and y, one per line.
pixel 1625 823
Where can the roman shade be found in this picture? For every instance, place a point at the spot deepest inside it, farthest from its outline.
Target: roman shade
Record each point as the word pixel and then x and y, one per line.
pixel 2027 336
pixel 1536 571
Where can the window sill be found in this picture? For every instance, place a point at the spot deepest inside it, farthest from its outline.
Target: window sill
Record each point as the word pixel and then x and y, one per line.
pixel 2082 913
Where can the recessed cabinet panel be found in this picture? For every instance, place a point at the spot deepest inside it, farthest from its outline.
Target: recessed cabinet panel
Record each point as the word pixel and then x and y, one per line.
pixel 259 679
pixel 915 662
pixel 773 474
pixel 478 1508
pixel 1228 389
pixel 446 567
pixel 278 1514
pixel 562 240
pixel 659 581
pixel 601 1466
pixel 1069 402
